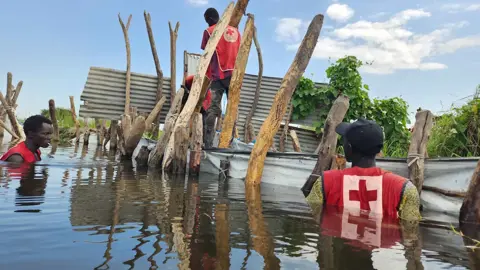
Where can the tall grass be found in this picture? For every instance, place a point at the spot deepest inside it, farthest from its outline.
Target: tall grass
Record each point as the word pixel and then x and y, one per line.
pixel 65 119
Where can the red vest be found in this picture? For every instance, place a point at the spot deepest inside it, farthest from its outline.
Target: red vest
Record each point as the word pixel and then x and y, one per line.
pixel 22 150
pixel 370 189
pixel 227 48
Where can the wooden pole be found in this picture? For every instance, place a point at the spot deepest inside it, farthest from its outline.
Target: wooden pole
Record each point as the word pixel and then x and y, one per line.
pixel 99 131
pixel 283 137
pixel 418 147
pixel 238 12
pixel 249 130
pixel 113 135
pixel 53 117
pixel 470 211
pixel 102 132
pixel 154 115
pixel 295 141
pixel 128 75
pixel 9 87
pixel 176 151
pixel 196 145
pixel 4 126
pixel 156 155
pixel 282 98
pixel 236 84
pixel 11 117
pixel 328 143
pixel 75 120
pixel 16 94
pixel 134 135
pixel 108 133
pixel 173 58
pixel 86 134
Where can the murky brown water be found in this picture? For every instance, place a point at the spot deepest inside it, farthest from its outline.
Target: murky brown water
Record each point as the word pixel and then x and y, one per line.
pixel 83 210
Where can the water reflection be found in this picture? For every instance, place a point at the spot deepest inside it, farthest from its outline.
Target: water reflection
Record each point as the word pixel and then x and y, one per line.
pixel 111 215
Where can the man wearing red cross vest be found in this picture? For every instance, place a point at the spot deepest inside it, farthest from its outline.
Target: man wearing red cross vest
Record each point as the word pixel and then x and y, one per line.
pixel 220 69
pixel 364 187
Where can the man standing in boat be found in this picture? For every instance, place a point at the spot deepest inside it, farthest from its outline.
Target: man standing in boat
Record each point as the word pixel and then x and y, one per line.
pixel 38 131
pixel 364 186
pixel 220 69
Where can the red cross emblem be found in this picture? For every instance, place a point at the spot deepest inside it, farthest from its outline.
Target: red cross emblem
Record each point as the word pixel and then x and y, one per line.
pixel 363 195
pixel 362 222
pixel 230 35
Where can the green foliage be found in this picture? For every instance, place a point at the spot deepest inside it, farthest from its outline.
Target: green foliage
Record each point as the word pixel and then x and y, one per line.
pixel 65 119
pixel 456 133
pixel 391 114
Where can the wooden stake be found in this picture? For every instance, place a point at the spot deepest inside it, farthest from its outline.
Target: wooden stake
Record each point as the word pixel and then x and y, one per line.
pixel 128 75
pixel 86 134
pixel 236 84
pixel 102 132
pixel 328 143
pixel 196 145
pixel 238 12
pixel 4 126
pixel 173 58
pixel 282 98
pixel 158 69
pixel 176 152
pixel 11 117
pixel 295 141
pixel 249 130
pixel 156 155
pixel 113 135
pixel 134 135
pixel 108 133
pixel 9 87
pixel 16 94
pixel 75 120
pixel 53 117
pixel 99 131
pixel 418 146
pixel 154 115
pixel 283 137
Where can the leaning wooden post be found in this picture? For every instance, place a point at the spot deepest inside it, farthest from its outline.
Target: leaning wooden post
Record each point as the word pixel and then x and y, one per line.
pixel 328 143
pixel 155 115
pixel 236 84
pixel 176 152
pixel 99 131
pixel 295 141
pixel 249 131
pixel 53 117
pixel 173 58
pixel 282 98
pixel 11 117
pixel 196 145
pixel 86 134
pixel 113 135
pixel 418 147
pixel 75 120
pixel 128 75
pixel 158 69
pixel 238 12
pixel 469 210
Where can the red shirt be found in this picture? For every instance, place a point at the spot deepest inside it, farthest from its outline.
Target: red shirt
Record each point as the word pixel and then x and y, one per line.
pixel 22 150
pixel 223 60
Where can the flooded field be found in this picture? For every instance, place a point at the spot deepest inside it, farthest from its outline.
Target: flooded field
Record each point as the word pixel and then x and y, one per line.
pixel 83 210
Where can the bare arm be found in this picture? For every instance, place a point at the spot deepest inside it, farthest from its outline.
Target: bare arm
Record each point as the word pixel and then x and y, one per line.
pixel 315 196
pixel 15 158
pixel 409 209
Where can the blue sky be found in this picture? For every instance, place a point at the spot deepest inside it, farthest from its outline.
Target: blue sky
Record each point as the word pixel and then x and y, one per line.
pixel 427 51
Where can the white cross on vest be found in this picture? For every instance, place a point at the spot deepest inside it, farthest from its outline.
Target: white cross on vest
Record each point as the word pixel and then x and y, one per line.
pixel 363 192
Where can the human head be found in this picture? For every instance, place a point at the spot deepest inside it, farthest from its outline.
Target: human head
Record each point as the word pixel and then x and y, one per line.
pixel 39 130
pixel 361 139
pixel 211 16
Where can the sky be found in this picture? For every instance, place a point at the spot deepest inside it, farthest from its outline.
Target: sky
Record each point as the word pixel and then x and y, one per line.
pixel 426 51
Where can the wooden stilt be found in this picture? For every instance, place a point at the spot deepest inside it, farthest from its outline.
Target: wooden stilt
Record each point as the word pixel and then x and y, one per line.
pixel 154 115
pixel 128 74
pixel 238 12
pixel 196 145
pixel 418 146
pixel 75 120
pixel 173 58
pixel 113 135
pixel 282 98
pixel 283 137
pixel 53 117
pixel 236 84
pixel 295 141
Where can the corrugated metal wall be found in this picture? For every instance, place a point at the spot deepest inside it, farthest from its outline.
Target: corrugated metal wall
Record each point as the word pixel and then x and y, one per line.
pixel 104 98
pixel 104 94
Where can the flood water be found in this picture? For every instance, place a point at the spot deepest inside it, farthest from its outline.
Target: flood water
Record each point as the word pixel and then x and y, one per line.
pixel 84 210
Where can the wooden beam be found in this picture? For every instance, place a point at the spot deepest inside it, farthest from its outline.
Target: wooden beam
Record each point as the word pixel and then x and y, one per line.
pixel 238 12
pixel 295 141
pixel 236 84
pixel 196 144
pixel 4 126
pixel 154 114
pixel 328 143
pixel 418 146
pixel 249 130
pixel 284 135
pixel 176 152
pixel 12 117
pixel 128 75
pixel 173 58
pixel 282 98
pixel 53 117
pixel 113 135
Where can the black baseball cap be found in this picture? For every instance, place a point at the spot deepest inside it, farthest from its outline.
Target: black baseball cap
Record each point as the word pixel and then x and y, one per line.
pixel 365 136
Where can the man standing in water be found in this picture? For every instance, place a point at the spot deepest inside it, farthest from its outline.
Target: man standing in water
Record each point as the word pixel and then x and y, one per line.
pixel 220 69
pixel 38 131
pixel 363 186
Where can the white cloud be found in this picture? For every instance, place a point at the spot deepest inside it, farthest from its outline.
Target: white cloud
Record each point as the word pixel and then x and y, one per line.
pixel 288 29
pixel 340 12
pixel 389 45
pixel 455 8
pixel 198 2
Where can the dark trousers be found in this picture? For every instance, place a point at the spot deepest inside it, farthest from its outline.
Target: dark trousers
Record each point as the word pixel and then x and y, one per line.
pixel 217 89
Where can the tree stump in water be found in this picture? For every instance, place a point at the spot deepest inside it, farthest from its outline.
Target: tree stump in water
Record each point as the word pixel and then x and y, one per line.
pixel 196 145
pixel 282 98
pixel 53 117
pixel 75 120
pixel 418 146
